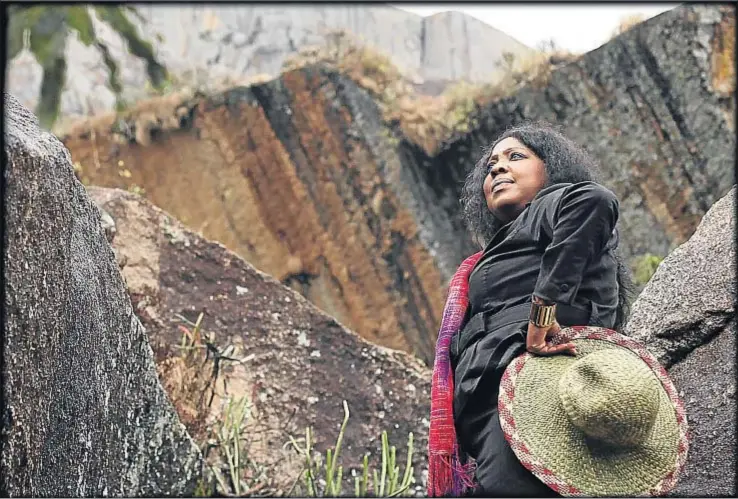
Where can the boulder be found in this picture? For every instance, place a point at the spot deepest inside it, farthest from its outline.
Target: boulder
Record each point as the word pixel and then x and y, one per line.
pixel 292 362
pixel 83 411
pixel 686 317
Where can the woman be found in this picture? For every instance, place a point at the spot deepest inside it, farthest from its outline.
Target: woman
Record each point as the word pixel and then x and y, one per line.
pixel 549 238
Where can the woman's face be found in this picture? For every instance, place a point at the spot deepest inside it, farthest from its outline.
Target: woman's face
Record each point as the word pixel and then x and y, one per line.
pixel 515 176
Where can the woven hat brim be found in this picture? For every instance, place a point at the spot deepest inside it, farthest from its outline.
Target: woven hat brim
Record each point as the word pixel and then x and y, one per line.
pixel 556 452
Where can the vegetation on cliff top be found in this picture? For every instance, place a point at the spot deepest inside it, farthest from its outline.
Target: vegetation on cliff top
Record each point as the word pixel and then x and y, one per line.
pixel 426 120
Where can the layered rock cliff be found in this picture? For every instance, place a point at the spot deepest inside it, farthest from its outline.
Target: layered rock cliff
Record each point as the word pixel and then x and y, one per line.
pixel 240 41
pixel 300 178
pixel 83 412
pixel 303 178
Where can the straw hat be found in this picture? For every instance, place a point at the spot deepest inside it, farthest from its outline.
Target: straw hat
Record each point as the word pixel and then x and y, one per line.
pixel 606 422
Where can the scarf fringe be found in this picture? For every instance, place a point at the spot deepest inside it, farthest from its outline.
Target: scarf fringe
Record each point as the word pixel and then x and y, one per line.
pixel 448 477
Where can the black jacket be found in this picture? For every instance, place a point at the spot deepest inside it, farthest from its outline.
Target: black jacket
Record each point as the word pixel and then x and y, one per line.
pixel 561 248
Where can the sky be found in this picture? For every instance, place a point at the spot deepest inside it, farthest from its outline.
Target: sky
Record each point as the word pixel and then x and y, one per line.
pixel 577 28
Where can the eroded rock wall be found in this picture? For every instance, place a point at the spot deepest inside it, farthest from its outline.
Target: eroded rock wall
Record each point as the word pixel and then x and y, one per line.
pixel 300 177
pixel 83 412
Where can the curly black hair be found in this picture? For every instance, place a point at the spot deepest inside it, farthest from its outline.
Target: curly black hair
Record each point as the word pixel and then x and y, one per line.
pixel 564 161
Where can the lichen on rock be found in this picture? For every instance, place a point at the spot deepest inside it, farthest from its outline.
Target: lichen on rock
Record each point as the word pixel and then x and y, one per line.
pixel 84 413
pixel 686 315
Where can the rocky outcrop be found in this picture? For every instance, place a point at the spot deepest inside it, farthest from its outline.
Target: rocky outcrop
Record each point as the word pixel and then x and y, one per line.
pixel 236 42
pixel 83 412
pixel 455 46
pixel 655 106
pixel 300 363
pixel 303 178
pixel 686 316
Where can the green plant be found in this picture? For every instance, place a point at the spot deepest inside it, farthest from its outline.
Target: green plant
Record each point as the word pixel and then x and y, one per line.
pixel 230 441
pixel 203 488
pixel 644 267
pixel 44 31
pixel 387 482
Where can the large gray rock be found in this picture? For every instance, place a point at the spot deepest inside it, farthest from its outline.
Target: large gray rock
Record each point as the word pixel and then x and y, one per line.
pixel 83 412
pixel 237 41
pixel 686 317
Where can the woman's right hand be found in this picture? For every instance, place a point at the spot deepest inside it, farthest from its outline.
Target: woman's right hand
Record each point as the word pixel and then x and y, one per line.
pixel 536 340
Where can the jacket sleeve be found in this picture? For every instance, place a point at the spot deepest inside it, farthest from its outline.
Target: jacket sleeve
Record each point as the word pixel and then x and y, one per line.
pixel 580 226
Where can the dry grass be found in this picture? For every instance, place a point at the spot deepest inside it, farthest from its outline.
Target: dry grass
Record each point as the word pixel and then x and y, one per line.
pixel 426 120
pixel 628 22
pixel 189 381
pixel 159 112
pixel 193 380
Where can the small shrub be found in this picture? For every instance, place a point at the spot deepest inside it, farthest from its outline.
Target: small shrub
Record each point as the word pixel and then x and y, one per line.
pixel 645 267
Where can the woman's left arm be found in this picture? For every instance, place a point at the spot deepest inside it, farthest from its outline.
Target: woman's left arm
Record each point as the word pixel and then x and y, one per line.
pixel 580 226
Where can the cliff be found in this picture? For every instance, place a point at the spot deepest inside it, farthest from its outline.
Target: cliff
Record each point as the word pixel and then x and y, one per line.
pixel 83 412
pixel 307 179
pixel 206 43
pixel 300 178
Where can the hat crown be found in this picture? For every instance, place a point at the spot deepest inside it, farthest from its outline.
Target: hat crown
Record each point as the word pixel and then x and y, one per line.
pixel 611 396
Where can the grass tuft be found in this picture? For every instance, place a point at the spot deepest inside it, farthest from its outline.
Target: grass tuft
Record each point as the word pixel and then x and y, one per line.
pixel 385 482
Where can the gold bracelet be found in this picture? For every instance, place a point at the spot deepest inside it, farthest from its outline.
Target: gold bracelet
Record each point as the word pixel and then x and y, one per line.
pixel 542 315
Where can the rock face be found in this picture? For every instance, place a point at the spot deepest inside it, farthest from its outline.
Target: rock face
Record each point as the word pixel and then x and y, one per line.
pixel 301 363
pixel 236 41
pixel 300 177
pixel 83 412
pixel 655 106
pixel 686 316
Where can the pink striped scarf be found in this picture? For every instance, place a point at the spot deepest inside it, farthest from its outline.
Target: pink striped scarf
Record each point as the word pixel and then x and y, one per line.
pixel 446 475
